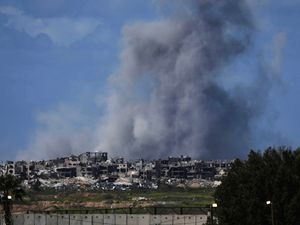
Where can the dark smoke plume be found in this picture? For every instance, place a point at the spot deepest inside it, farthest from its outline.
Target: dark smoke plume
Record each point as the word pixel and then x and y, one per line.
pixel 166 98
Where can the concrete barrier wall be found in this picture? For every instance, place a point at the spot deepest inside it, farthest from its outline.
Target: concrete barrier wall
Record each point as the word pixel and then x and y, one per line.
pixel 107 219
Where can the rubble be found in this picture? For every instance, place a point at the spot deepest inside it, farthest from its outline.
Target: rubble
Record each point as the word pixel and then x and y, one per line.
pixel 93 170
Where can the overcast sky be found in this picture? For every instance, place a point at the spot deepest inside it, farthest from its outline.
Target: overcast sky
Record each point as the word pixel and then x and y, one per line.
pixel 56 56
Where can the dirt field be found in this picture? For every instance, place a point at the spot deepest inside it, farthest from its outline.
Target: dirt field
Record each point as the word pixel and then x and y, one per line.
pixel 52 200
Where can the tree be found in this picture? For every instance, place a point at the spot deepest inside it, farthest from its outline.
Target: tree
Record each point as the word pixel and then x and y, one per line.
pixel 10 188
pixel 274 176
pixel 36 186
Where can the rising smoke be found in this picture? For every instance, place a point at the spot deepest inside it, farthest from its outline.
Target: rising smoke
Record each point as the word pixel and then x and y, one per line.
pixel 166 97
pixel 169 94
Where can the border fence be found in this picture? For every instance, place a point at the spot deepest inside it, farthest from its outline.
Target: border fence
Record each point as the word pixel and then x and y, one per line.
pixel 153 210
pixel 119 216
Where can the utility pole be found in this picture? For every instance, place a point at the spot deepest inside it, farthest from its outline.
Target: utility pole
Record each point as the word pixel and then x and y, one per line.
pixel 214 205
pixel 211 216
pixel 272 211
pixel 6 201
pixel 272 214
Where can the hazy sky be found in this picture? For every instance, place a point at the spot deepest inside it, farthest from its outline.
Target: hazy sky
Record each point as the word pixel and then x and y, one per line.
pixel 56 56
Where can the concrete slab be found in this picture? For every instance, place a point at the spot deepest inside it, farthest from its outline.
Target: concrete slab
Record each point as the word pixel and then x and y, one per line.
pixel 201 219
pixel 75 219
pixel 63 219
pixel 190 219
pixel 144 219
pixel 133 219
pixel 178 220
pixel 98 219
pixel 109 219
pixel 155 220
pixel 121 219
pixel 17 219
pixel 52 219
pixel 29 219
pixel 166 219
pixel 40 219
pixel 87 219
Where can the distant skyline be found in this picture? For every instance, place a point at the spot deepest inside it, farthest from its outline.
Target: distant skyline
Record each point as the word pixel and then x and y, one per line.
pixel 56 57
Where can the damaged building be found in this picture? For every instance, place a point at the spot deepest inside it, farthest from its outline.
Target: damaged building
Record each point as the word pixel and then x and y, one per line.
pixel 97 167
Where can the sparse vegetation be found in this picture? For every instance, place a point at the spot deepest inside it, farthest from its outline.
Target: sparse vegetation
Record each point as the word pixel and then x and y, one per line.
pixel 131 198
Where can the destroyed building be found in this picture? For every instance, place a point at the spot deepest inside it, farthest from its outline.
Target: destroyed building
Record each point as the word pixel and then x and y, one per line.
pixel 96 167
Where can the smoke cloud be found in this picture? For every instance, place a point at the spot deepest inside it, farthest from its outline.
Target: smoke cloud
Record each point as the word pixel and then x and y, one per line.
pixel 169 94
pixel 64 131
pixel 166 97
pixel 278 46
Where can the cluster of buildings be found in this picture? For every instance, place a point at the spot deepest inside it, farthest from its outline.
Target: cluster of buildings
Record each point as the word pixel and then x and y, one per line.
pixel 98 167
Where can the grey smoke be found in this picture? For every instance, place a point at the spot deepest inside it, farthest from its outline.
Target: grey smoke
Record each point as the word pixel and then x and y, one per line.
pixel 166 97
pixel 61 132
pixel 279 41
